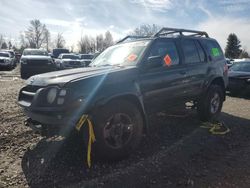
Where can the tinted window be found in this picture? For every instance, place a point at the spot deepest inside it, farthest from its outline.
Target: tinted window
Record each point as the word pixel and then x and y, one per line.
pixel 87 56
pixel 70 56
pixel 35 52
pixel 201 52
pixel 190 51
pixel 58 51
pixel 214 49
pixel 4 55
pixel 164 48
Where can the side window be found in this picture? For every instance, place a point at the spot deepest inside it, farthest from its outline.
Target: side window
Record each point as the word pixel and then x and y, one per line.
pixel 165 49
pixel 214 49
pixel 190 51
pixel 201 52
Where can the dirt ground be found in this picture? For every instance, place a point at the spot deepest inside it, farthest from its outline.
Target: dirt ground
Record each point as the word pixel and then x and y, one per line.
pixel 178 153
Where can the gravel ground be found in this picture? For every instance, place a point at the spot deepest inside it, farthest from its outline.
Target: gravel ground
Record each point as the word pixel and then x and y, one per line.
pixel 178 153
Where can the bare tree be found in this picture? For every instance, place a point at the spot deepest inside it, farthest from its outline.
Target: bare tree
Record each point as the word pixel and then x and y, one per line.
pixel 59 41
pixel 99 43
pixel 146 30
pixel 86 44
pixel 9 45
pixel 72 48
pixel 23 42
pixel 1 40
pixel 35 34
pixel 108 41
pixel 47 39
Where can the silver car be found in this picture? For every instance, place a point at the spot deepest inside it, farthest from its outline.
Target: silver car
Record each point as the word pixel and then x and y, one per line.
pixel 6 60
pixel 67 61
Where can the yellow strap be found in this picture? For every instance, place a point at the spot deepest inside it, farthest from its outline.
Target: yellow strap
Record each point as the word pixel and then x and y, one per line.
pixel 92 139
pixel 214 128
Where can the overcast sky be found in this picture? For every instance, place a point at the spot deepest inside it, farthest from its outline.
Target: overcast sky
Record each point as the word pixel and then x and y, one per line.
pixel 78 17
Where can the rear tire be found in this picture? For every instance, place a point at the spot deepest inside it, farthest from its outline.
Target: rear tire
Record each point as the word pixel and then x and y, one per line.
pixel 209 106
pixel 118 128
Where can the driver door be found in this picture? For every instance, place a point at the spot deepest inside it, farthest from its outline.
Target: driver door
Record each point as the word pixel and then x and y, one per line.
pixel 166 81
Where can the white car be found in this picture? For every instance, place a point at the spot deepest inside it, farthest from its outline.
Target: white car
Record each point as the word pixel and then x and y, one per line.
pixel 6 60
pixel 86 58
pixel 67 61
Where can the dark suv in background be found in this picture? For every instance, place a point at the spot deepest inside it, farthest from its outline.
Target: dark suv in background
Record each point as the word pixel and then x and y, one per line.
pixel 124 82
pixel 57 51
pixel 35 61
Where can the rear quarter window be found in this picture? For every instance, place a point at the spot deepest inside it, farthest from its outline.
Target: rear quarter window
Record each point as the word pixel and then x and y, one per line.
pixel 214 49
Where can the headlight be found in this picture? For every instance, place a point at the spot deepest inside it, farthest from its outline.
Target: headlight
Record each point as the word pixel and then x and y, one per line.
pixel 51 96
pixel 23 61
pixel 248 80
pixel 6 60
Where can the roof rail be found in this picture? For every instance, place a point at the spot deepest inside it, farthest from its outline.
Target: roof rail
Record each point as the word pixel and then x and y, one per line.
pixel 166 31
pixel 131 37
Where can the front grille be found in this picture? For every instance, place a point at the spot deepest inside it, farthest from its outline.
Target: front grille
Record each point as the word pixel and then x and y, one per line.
pixel 27 93
pixel 75 63
pixel 1 61
pixel 37 62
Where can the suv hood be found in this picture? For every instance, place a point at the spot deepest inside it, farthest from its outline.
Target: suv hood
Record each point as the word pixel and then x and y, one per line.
pixel 4 57
pixel 40 57
pixel 65 76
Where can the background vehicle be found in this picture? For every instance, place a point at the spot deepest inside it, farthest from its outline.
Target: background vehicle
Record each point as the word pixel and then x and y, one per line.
pixel 230 62
pixel 35 61
pixel 239 78
pixel 57 51
pixel 6 60
pixel 86 58
pixel 67 61
pixel 12 55
pixel 125 82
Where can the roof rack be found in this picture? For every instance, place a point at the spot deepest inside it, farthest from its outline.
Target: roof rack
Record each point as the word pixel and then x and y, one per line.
pixel 166 31
pixel 131 37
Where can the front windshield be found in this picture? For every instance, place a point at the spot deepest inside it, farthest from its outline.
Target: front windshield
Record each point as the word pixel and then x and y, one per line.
pixel 70 57
pixel 4 55
pixel 241 66
pixel 123 54
pixel 35 52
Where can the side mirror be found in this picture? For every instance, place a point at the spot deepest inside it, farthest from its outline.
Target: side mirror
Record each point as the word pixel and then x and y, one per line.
pixel 154 61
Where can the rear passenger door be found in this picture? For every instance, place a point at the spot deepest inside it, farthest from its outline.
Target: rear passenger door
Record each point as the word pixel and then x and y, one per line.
pixel 195 62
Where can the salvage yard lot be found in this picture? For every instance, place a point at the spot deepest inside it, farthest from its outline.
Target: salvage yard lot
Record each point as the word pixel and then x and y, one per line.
pixel 178 153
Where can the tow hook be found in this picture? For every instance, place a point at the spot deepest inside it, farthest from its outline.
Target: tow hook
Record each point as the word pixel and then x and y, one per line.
pixel 36 126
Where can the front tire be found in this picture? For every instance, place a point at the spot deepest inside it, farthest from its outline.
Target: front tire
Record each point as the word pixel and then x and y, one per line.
pixel 118 128
pixel 210 105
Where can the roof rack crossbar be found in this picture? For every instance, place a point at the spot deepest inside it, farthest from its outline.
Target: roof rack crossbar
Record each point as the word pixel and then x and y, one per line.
pixel 167 31
pixel 131 37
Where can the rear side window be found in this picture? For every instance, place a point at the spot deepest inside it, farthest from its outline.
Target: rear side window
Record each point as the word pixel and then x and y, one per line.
pixel 165 48
pixel 190 51
pixel 214 49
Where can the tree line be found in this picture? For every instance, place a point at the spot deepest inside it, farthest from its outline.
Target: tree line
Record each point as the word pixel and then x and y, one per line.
pixel 38 36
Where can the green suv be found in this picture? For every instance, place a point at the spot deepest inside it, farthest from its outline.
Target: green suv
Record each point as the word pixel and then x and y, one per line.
pixel 121 85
